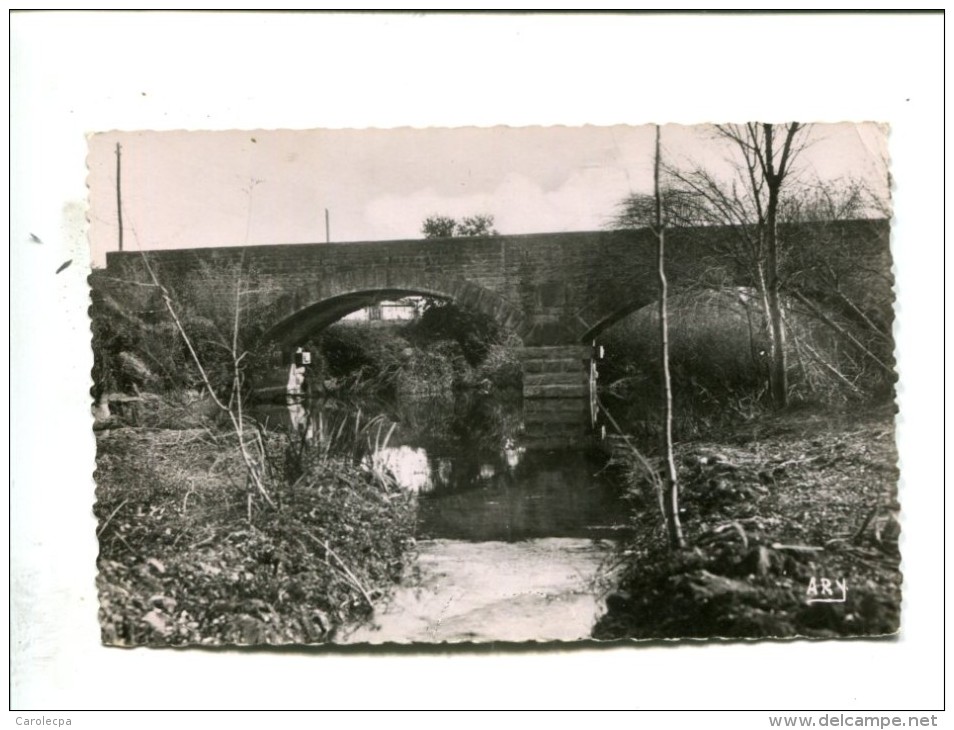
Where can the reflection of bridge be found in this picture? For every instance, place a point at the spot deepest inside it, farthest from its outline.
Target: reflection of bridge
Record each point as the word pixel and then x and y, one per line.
pixel 557 291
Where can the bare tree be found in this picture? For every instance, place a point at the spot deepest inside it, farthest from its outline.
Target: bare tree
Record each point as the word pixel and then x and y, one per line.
pixel 654 212
pixel 750 206
pixel 670 479
pixel 850 295
pixel 679 207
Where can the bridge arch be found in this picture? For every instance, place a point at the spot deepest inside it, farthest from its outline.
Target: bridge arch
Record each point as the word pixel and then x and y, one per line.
pixel 677 296
pixel 312 306
pixel 609 317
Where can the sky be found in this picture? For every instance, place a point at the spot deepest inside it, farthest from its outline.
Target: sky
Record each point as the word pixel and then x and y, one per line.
pixel 229 188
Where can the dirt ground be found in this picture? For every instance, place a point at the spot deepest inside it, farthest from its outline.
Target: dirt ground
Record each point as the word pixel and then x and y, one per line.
pixel 791 525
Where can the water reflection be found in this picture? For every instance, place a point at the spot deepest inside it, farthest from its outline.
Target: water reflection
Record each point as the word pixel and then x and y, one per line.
pixel 489 468
pixel 515 520
pixel 409 465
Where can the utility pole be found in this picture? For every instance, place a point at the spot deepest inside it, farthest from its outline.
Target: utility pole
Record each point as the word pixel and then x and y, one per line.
pixel 119 198
pixel 327 227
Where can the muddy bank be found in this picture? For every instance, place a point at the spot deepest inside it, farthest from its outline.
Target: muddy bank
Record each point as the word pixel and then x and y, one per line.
pixel 186 557
pixel 791 526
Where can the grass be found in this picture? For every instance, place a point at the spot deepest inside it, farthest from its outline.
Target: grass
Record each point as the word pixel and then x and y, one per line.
pixel 719 355
pixel 187 558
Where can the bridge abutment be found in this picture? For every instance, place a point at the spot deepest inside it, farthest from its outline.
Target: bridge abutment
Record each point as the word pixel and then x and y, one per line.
pixel 558 371
pixel 556 395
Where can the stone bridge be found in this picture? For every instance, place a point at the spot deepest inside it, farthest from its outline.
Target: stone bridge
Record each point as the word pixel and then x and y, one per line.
pixel 557 291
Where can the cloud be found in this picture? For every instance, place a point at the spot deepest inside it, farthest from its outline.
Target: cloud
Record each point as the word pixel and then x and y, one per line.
pixel 584 201
pixel 197 188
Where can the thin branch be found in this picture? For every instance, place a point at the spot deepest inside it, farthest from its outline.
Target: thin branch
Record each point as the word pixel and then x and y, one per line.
pixel 787 148
pixel 129 282
pixel 841 330
pixel 830 368
pixel 109 519
pixel 250 463
pixel 854 308
pixel 651 473
pixel 347 571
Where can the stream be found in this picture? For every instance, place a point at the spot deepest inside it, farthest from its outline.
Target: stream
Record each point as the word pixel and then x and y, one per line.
pixel 517 527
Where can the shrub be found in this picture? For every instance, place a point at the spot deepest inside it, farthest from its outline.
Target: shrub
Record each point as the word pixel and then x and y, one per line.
pixel 181 562
pixel 366 357
pixel 474 331
pixel 500 367
pixel 439 368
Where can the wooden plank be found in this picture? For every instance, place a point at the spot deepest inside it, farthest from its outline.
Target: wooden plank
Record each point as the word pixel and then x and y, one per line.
pixel 580 390
pixel 563 378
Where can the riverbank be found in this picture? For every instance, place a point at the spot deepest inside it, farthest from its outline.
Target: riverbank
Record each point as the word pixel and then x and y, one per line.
pixel 184 559
pixel 791 526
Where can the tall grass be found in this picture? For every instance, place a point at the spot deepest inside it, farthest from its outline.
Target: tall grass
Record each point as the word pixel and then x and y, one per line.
pixel 719 359
pixel 344 435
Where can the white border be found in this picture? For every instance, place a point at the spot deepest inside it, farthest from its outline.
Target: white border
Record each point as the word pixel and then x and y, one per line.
pixel 85 72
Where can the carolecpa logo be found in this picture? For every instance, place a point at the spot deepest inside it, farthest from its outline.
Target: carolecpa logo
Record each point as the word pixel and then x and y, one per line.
pixel 44 720
pixel 826 590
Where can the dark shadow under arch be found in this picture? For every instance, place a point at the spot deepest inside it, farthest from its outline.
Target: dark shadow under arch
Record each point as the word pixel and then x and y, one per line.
pixel 608 320
pixel 311 308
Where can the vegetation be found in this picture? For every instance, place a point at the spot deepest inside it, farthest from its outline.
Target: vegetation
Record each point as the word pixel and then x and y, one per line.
pixel 442 226
pixel 447 348
pixel 718 353
pixel 770 509
pixel 476 333
pixel 783 242
pixel 438 226
pixel 756 441
pixel 183 561
pixel 222 310
pixel 782 380
pixel 230 533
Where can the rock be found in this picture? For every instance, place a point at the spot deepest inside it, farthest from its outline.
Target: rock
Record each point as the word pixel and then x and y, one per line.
pixel 166 603
pixel 320 618
pixel 156 564
pixel 705 586
pixel 762 560
pixel 157 622
pixel 618 601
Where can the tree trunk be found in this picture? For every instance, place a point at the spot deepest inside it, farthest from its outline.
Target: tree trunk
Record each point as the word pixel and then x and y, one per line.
pixel 670 482
pixel 778 368
pixel 774 178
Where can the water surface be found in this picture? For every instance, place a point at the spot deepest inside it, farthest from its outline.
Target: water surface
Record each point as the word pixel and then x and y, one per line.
pixel 517 524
